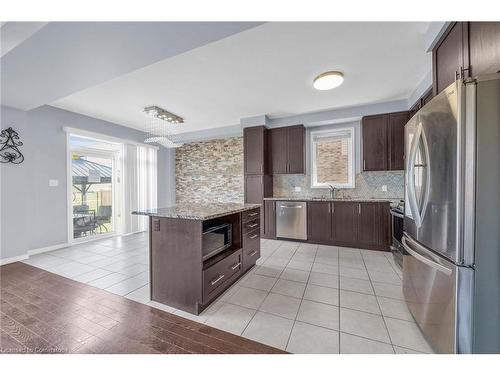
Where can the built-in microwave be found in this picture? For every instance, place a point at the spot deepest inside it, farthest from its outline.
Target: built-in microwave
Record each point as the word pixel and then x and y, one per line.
pixel 216 238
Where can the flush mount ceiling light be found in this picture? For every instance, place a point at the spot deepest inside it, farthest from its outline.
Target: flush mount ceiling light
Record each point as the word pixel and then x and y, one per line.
pixel 328 80
pixel 157 131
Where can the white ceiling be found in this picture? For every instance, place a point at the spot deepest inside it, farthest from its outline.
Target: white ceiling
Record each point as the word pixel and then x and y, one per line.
pixel 267 70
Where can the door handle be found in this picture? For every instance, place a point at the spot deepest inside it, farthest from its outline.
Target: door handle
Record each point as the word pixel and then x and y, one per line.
pixel 252 253
pixel 253 225
pixel 423 259
pixel 253 214
pixel 254 236
pixel 359 208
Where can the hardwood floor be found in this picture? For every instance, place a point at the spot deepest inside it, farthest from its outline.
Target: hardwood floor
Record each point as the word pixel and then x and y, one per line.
pixel 42 312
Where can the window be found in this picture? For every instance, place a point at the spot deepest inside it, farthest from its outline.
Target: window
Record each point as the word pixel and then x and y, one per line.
pixel 332 158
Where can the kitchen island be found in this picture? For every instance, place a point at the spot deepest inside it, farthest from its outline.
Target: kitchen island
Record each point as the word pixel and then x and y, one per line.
pixel 197 251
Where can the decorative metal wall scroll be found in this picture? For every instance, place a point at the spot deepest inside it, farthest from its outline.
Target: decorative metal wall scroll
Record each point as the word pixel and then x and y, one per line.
pixel 9 143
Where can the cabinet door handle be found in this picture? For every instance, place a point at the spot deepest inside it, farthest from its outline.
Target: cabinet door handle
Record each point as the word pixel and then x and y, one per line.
pixel 364 164
pixel 253 214
pixel 329 208
pixel 253 225
pixel 254 236
pixel 359 208
pixel 252 253
pixel 333 207
pixel 216 280
pixel 236 266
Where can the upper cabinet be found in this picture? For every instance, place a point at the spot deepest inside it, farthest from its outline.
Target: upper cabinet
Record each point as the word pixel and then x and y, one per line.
pixel 466 49
pixel 375 142
pixel 448 57
pixel 288 150
pixel 383 141
pixel 484 48
pixel 256 150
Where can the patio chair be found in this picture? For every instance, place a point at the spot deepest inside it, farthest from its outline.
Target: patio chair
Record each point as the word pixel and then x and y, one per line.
pixel 84 222
pixel 103 217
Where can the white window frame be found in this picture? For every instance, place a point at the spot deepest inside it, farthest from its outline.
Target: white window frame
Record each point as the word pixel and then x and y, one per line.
pixel 351 157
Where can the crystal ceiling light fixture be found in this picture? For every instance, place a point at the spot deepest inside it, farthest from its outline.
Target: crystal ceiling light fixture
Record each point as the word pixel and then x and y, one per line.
pixel 158 131
pixel 328 80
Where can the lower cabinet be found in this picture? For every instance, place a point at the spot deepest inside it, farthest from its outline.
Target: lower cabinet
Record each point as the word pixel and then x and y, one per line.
pixel 319 222
pixel 269 220
pixel 251 230
pixel 345 223
pixel 350 224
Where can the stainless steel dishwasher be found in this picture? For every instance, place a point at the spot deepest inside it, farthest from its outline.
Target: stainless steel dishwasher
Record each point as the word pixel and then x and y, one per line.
pixel 291 220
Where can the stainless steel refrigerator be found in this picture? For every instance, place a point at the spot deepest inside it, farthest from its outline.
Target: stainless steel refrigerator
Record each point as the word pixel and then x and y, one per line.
pixel 451 272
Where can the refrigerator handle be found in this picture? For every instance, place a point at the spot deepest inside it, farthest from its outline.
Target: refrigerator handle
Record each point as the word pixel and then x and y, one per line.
pixel 425 260
pixel 412 200
pixel 427 162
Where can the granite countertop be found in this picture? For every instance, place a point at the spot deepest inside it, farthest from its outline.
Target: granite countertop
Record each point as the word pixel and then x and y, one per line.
pixel 327 199
pixel 198 211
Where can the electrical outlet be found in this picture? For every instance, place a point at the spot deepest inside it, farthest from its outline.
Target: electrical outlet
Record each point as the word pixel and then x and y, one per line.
pixel 298 188
pixel 53 183
pixel 384 187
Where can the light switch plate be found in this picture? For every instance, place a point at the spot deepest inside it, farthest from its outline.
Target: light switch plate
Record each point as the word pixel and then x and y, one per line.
pixel 53 183
pixel 384 187
pixel 298 188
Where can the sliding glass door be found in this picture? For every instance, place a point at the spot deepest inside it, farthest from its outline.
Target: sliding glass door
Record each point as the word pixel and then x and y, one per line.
pixel 95 190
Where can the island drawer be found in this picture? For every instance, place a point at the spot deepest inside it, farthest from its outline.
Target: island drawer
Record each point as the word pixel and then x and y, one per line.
pixel 250 214
pixel 251 240
pixel 215 277
pixel 252 225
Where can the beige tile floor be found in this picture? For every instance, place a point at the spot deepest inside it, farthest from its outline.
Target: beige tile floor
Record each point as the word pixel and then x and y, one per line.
pixel 300 297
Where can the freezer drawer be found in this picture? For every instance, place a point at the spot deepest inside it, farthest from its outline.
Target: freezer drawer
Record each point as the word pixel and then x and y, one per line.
pixel 430 286
pixel 291 220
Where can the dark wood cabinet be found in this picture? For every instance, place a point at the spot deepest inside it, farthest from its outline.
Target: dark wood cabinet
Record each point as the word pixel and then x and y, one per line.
pixel 288 150
pixel 415 108
pixel 375 143
pixel 484 48
pixel 296 149
pixel 352 224
pixel 319 221
pixel 423 100
pixel 383 141
pixel 279 150
pixel 269 219
pixel 255 149
pixel 257 167
pixel 257 187
pixel 448 57
pixel 368 232
pixel 396 143
pixel 466 49
pixel 345 223
pixel 427 96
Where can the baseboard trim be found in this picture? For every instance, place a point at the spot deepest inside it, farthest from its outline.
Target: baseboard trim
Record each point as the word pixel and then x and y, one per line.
pixel 48 248
pixel 19 258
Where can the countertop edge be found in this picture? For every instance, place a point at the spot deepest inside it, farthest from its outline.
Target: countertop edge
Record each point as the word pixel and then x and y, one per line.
pixel 307 199
pixel 173 215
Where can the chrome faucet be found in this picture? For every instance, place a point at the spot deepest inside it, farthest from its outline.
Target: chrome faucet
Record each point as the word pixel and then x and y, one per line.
pixel 332 192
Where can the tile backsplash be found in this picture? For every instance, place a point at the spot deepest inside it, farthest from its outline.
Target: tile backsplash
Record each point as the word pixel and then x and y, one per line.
pixel 367 185
pixel 210 171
